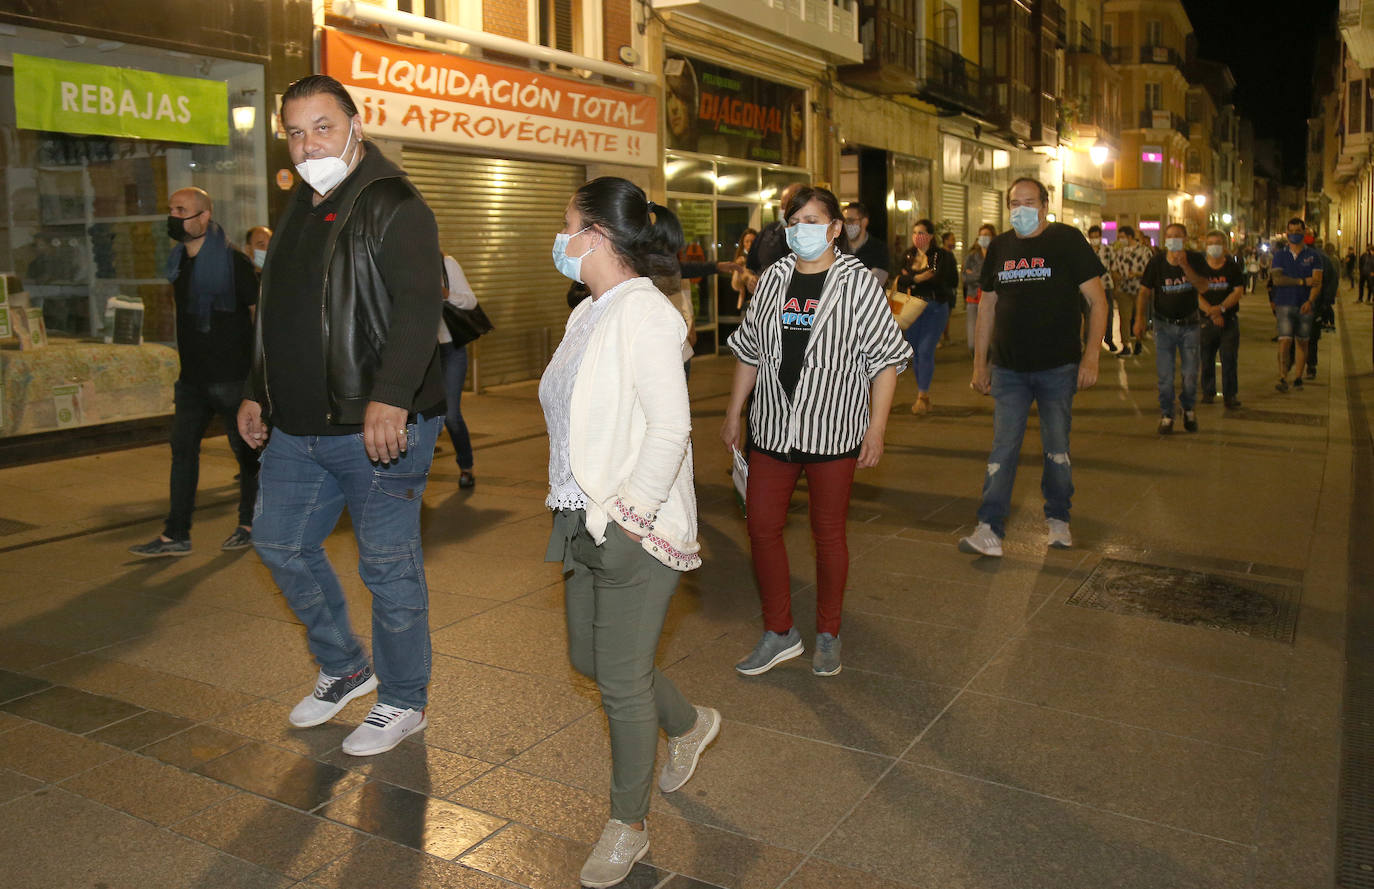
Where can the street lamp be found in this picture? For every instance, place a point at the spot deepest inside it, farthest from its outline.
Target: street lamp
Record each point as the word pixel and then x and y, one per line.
pixel 1200 199
pixel 1226 219
pixel 1098 153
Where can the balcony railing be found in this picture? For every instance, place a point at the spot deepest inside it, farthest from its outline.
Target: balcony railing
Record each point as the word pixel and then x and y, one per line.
pixel 947 78
pixel 897 62
pixel 1160 55
pixel 1163 120
pixel 1009 105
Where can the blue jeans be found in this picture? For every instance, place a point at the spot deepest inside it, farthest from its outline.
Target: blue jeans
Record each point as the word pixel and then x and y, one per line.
pixel 923 336
pixel 1185 338
pixel 1012 393
pixel 306 481
pixel 455 365
pixel 196 404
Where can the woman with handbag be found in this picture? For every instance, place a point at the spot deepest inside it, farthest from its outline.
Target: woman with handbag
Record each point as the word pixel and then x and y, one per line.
pixel 930 273
pixel 819 351
pixel 453 357
pixel 620 487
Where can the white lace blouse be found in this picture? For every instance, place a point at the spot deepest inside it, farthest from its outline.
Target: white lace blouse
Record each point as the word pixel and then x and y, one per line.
pixel 555 396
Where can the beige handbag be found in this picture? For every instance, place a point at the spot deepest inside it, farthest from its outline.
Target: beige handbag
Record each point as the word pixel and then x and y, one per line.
pixel 905 308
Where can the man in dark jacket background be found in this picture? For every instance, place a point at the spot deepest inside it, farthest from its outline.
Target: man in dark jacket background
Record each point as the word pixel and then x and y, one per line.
pixel 346 376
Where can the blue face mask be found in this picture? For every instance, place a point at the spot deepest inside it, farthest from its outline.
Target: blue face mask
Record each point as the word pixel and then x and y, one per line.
pixel 808 240
pixel 569 266
pixel 1025 220
pixel 1295 237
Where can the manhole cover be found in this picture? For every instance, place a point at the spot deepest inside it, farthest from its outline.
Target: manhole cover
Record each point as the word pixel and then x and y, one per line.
pixel 13 526
pixel 1195 598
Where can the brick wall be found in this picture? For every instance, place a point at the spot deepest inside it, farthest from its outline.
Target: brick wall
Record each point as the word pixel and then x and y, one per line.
pixel 508 18
pixel 615 18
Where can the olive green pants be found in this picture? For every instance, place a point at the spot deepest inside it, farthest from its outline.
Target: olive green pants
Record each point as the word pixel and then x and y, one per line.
pixel 617 596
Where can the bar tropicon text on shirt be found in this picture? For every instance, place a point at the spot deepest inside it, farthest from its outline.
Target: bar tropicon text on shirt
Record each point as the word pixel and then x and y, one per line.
pixel 417 95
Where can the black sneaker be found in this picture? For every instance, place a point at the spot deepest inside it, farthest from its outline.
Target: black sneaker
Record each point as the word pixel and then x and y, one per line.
pixel 330 695
pixel 1190 421
pixel 1282 384
pixel 1311 373
pixel 242 538
pixel 1136 350
pixel 466 480
pixel 159 547
pixel 1297 382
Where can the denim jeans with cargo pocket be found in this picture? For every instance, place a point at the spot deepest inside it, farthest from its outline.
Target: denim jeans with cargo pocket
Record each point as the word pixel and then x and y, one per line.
pixel 305 482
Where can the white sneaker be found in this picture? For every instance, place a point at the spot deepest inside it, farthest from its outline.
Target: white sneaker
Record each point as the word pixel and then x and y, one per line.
pixel 615 854
pixel 330 696
pixel 685 751
pixel 982 541
pixel 1060 538
pixel 384 728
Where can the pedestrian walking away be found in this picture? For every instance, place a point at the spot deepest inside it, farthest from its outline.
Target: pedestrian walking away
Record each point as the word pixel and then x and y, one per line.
pixel 1367 274
pixel 453 358
pixel 972 274
pixel 1349 263
pixel 1104 255
pixel 214 289
pixel 620 487
pixel 820 352
pixel 1295 279
pixel 346 398
pixel 1128 260
pixel 1172 281
pixel 1324 309
pixel 931 273
pixel 1028 350
pixel 1226 283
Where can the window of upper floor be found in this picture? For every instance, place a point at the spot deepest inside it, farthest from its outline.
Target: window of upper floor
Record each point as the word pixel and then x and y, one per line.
pixel 1194 161
pixel 1355 119
pixel 1154 96
pixel 947 27
pixel 1154 32
pixel 1193 108
pixel 427 8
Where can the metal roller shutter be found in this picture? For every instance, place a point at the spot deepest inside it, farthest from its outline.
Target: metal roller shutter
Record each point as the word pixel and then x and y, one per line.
pixel 992 209
pixel 497 217
pixel 954 209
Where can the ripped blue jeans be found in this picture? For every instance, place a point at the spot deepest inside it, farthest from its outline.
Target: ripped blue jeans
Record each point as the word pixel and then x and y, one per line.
pixel 1012 392
pixel 305 482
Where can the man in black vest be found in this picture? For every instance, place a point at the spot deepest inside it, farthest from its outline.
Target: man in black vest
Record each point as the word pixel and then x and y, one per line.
pixel 346 374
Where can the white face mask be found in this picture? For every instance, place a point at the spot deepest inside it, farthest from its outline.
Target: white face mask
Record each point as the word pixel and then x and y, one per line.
pixel 851 230
pixel 984 241
pixel 1215 250
pixel 259 257
pixel 1096 242
pixel 324 173
pixel 1173 245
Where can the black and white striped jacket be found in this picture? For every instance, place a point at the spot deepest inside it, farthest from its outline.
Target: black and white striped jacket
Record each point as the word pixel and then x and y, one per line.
pixel 854 337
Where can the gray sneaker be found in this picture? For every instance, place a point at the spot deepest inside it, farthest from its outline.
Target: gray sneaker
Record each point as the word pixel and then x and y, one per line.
pixel 685 750
pixel 826 659
pixel 159 547
pixel 615 854
pixel 242 538
pixel 773 649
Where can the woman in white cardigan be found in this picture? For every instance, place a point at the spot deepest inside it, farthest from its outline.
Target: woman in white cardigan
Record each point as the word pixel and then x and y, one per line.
pixel 620 487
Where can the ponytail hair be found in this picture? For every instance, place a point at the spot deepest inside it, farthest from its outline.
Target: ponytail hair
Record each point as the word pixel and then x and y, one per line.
pixel 647 236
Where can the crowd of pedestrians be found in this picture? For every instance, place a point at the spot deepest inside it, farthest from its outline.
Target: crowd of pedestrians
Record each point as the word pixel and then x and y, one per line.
pixel 316 343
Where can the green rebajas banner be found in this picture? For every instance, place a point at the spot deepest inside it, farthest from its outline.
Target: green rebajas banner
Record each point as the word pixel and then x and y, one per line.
pixel 73 97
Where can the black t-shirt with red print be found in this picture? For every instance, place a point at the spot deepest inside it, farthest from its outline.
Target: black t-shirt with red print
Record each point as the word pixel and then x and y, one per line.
pixel 1036 324
pixel 1221 282
pixel 1175 296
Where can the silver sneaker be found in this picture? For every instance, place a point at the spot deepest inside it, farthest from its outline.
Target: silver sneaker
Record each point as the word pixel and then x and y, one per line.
pixel 826 660
pixel 685 750
pixel 773 649
pixel 1060 538
pixel 615 854
pixel 982 541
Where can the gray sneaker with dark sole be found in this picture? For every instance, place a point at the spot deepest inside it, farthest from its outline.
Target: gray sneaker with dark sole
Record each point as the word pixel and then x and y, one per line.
pixel 826 659
pixel 158 547
pixel 773 649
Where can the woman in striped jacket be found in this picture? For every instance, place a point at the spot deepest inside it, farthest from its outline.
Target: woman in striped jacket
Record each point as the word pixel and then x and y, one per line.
pixel 820 352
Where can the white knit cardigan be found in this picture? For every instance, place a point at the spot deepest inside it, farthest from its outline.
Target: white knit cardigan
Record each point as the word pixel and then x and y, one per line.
pixel 630 444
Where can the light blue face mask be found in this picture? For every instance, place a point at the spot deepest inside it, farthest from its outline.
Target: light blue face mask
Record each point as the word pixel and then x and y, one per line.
pixel 569 266
pixel 808 240
pixel 1025 220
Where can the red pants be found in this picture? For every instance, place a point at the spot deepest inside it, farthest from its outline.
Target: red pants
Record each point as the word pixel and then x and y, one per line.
pixel 771 483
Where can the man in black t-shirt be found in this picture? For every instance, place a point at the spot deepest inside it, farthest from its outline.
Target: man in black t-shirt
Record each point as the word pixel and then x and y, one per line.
pixel 1172 280
pixel 214 287
pixel 771 244
pixel 1035 278
pixel 1220 329
pixel 870 251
